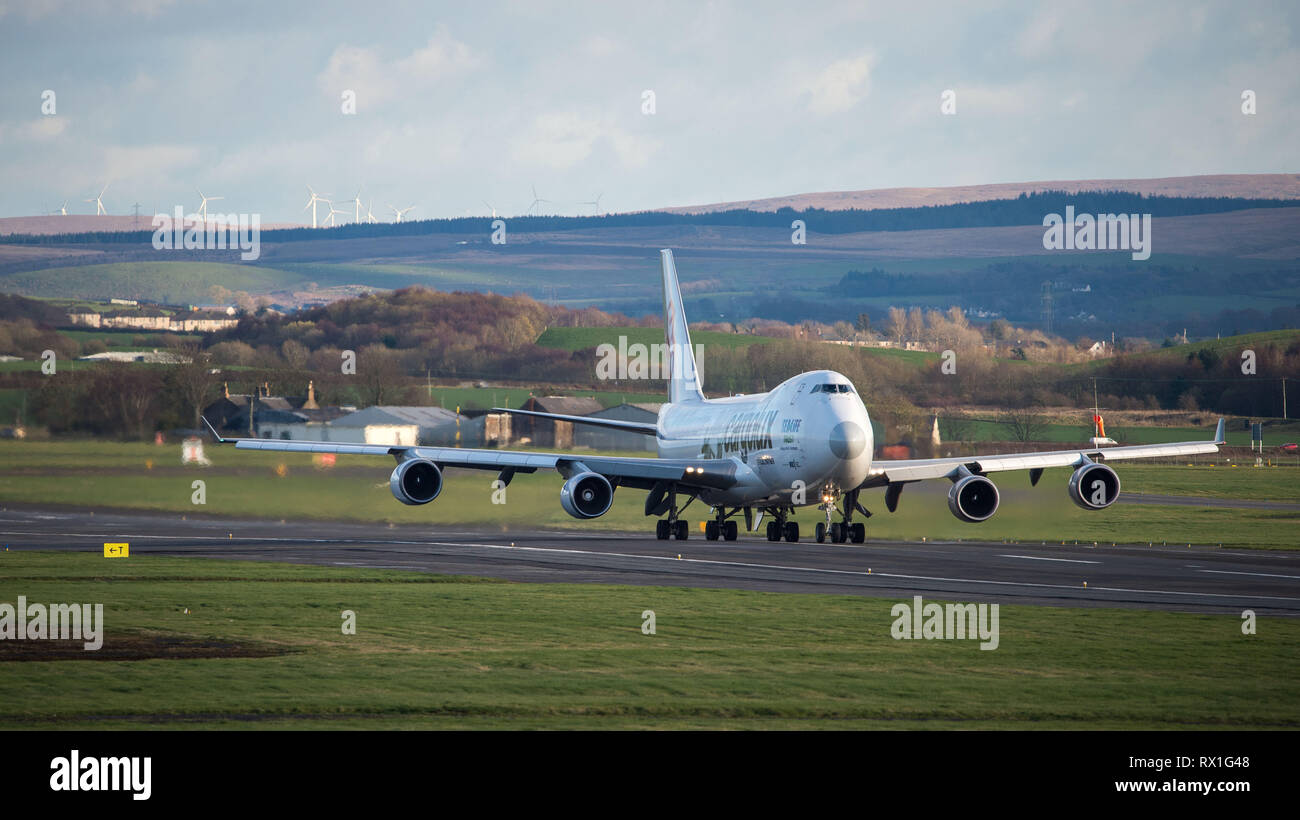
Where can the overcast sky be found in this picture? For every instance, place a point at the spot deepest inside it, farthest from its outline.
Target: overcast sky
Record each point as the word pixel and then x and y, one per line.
pixel 461 103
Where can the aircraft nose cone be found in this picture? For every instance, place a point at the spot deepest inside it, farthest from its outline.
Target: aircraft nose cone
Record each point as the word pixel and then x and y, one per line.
pixel 848 440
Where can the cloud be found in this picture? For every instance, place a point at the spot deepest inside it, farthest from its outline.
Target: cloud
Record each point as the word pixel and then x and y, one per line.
pixel 599 45
pixel 562 140
pixel 377 81
pixel 36 9
pixel 37 130
pixel 148 163
pixel 1038 37
pixel 842 85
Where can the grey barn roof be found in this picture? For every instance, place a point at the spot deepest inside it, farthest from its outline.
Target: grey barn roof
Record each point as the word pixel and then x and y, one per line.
pixel 397 414
pixel 566 405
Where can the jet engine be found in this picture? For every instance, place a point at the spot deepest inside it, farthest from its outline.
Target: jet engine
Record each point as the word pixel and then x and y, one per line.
pixel 973 499
pixel 1094 486
pixel 416 481
pixel 587 495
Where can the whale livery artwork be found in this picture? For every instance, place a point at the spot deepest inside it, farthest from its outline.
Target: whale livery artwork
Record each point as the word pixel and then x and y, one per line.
pixel 806 442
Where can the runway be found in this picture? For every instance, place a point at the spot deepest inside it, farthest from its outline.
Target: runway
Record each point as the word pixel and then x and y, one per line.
pixel 1167 578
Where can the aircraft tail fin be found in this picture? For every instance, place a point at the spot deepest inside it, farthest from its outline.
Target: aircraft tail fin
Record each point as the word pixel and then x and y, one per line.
pixel 683 374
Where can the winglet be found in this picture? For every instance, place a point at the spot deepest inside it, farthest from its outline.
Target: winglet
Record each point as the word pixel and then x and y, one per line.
pixel 1220 433
pixel 213 430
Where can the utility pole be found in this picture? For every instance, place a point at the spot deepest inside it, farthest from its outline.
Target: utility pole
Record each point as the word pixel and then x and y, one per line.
pixel 1284 400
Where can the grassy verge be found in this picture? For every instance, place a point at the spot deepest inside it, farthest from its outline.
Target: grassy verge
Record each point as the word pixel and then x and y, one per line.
pixel 432 651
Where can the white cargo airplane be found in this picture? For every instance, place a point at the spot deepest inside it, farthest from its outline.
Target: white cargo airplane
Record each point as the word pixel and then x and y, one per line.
pixel 806 442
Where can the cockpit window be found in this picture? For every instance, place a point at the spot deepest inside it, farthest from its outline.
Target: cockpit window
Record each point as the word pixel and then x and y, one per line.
pixel 832 388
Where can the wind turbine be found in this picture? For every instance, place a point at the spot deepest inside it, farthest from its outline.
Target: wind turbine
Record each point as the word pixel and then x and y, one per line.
pixel 494 210
pixel 329 219
pixel 370 216
pixel 595 203
pixel 311 203
pixel 537 200
pixel 357 200
pixel 399 213
pixel 203 206
pixel 100 210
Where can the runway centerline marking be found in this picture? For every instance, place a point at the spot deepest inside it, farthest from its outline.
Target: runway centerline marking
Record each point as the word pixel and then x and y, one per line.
pixel 1038 558
pixel 1257 574
pixel 872 574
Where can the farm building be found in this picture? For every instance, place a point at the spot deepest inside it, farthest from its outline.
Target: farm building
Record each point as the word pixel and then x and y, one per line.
pixel 548 432
pixel 601 438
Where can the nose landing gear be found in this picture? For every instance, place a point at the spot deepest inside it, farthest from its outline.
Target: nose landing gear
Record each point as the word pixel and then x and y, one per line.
pixel 845 530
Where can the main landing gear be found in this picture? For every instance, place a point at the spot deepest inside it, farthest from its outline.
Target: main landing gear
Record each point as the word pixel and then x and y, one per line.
pixel 673 526
pixel 721 525
pixel 782 526
pixel 846 530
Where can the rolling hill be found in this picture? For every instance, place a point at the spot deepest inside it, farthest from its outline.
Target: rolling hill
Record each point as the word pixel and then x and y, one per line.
pixel 1272 186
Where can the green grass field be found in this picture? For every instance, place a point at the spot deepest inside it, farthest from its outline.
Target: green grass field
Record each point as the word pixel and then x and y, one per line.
pixel 170 282
pixel 482 398
pixel 992 430
pixel 439 652
pixel 125 340
pixel 145 477
pixel 583 338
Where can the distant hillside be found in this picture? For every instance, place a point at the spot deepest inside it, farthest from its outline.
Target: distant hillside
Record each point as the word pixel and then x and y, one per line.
pixel 1250 186
pixel 54 224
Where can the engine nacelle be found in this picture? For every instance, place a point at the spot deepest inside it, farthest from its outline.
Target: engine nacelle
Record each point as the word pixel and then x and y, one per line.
pixel 417 481
pixel 1094 486
pixel 973 499
pixel 587 495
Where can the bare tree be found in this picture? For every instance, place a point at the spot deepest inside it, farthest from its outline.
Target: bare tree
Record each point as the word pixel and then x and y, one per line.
pixel 1025 424
pixel 380 374
pixel 896 325
pixel 195 379
pixel 294 354
pixel 915 324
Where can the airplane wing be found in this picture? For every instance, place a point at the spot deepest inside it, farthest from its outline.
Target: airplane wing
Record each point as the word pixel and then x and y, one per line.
pixel 903 471
pixel 641 427
pixel 643 473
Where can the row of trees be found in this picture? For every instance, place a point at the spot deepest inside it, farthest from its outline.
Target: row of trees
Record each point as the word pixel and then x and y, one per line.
pixel 1025 209
pixel 400 338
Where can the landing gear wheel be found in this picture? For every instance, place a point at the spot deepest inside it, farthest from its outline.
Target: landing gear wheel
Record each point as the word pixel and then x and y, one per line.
pixel 680 530
pixel 662 529
pixel 821 533
pixel 773 531
pixel 711 530
pixel 730 530
pixel 837 533
pixel 792 531
pixel 859 533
